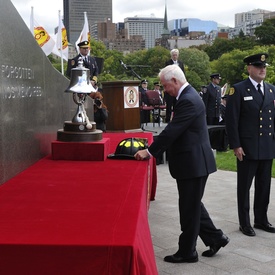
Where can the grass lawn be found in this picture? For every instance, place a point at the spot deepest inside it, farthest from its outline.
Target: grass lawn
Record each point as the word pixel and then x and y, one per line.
pixel 227 161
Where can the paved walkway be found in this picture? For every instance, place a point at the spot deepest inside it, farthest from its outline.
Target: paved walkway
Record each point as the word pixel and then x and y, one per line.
pixel 243 255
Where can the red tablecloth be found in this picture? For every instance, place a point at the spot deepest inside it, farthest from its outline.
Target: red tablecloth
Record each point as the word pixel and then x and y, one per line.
pixel 77 218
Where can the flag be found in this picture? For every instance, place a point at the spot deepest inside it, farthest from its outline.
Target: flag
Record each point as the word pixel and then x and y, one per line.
pixel 61 48
pixel 61 40
pixel 223 89
pixel 85 34
pixel 44 40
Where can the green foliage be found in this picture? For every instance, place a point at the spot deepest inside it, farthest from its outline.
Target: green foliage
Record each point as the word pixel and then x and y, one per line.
pixel 266 32
pixel 233 69
pixel 219 47
pixel 226 161
pixel 196 61
pixel 230 66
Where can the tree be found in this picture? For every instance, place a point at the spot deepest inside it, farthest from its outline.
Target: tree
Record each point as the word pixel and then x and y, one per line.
pixel 266 32
pixel 197 62
pixel 219 47
pixel 233 69
pixel 230 66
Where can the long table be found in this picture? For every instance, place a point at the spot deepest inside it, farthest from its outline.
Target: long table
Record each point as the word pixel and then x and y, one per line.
pixel 79 217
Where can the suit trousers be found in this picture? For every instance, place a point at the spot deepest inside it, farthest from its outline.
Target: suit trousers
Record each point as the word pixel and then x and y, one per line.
pixel 247 170
pixel 194 218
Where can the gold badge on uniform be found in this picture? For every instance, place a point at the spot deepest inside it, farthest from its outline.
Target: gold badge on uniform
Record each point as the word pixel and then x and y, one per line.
pixel 72 62
pixel 231 91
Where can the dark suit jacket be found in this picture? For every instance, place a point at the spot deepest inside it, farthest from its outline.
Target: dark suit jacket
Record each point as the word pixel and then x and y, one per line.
pixel 171 62
pixel 212 100
pixel 90 64
pixel 250 120
pixel 169 99
pixel 186 138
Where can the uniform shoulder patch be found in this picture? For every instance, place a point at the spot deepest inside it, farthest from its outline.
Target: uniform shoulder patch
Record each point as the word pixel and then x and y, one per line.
pixel 231 91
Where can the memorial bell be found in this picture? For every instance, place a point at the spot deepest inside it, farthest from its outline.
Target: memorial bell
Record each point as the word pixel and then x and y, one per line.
pixel 80 128
pixel 80 80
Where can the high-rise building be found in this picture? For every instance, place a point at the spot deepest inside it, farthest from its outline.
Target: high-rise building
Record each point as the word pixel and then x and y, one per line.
pixel 149 27
pixel 97 11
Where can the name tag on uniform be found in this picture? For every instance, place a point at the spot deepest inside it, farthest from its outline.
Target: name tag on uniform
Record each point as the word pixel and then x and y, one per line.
pixel 248 98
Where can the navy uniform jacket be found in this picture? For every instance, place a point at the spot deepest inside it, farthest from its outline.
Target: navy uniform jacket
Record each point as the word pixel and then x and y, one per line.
pixel 212 100
pixel 250 120
pixel 90 64
pixel 186 138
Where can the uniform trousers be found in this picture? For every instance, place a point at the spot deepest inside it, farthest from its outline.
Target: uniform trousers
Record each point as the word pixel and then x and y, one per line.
pixel 247 170
pixel 194 218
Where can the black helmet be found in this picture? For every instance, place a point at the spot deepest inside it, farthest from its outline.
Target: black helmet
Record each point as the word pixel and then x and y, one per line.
pixel 127 148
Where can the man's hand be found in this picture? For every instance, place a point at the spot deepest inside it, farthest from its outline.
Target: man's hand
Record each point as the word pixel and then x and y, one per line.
pixel 142 155
pixel 239 153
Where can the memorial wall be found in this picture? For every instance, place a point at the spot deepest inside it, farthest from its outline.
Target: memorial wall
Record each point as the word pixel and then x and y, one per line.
pixel 33 105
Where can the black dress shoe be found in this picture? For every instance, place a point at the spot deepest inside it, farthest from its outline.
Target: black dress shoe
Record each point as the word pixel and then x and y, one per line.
pixel 179 259
pixel 247 230
pixel 216 247
pixel 266 227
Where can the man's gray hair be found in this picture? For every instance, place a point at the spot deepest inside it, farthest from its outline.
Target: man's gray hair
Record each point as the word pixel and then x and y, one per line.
pixel 174 51
pixel 172 71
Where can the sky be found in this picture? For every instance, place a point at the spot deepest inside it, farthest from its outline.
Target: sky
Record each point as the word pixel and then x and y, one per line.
pixel 46 12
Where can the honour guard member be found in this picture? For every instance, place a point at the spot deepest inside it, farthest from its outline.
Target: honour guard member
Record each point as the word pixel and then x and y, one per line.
pixel 89 62
pixel 212 100
pixel 249 122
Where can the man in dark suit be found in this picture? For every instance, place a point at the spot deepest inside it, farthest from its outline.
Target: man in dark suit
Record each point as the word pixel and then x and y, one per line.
pixel 250 116
pixel 169 100
pixel 212 100
pixel 89 62
pixel 191 161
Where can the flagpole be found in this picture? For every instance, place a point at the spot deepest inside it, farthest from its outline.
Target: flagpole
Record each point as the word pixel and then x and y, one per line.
pixel 60 30
pixel 31 22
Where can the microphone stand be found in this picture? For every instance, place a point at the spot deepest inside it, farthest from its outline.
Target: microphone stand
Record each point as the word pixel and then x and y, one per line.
pixel 127 67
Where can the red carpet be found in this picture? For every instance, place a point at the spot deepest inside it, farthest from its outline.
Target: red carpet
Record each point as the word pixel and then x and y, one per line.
pixel 78 217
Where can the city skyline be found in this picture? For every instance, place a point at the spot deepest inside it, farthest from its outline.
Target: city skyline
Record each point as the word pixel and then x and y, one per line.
pixel 47 15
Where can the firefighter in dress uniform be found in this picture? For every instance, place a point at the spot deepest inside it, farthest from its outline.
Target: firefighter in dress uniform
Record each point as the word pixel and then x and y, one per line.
pixel 89 62
pixel 249 121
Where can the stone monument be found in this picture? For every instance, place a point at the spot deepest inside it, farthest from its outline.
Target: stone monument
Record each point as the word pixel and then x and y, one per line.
pixel 33 104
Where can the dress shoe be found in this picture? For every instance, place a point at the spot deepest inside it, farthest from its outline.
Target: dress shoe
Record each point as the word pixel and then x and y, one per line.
pixel 216 247
pixel 266 227
pixel 247 230
pixel 179 259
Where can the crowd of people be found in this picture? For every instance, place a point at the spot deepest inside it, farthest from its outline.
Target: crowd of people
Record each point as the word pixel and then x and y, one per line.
pixel 248 114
